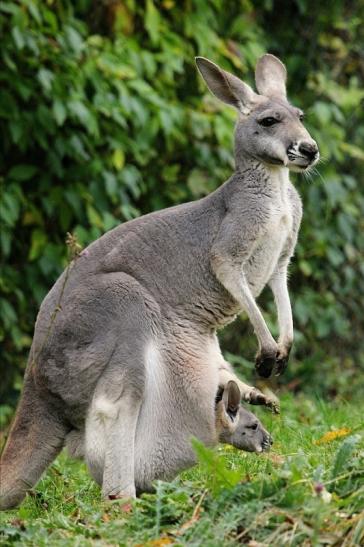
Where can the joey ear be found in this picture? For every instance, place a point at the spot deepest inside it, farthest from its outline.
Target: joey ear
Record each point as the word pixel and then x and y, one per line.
pixel 225 86
pixel 271 76
pixel 231 397
pixel 227 410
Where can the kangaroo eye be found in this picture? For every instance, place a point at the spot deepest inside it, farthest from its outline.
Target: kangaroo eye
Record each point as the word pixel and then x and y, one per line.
pixel 267 122
pixel 253 427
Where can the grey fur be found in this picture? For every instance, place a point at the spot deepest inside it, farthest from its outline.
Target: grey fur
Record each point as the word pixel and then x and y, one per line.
pixel 234 425
pixel 136 332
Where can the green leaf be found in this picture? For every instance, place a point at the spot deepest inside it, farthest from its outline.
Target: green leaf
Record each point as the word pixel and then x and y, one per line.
pixel 38 243
pixel 33 10
pixel 84 115
pixel 111 185
pixel 18 37
pixel 78 147
pixel 219 476
pixel 131 178
pixel 353 151
pixel 74 39
pixel 7 313
pixel 16 131
pixel 10 7
pixel 343 455
pixel 198 182
pixel 5 240
pixel 59 111
pixel 305 267
pixel 94 217
pixel 152 21
pixel 45 77
pixel 22 172
pixel 9 207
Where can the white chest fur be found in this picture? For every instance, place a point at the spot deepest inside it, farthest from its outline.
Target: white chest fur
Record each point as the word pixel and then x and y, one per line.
pixel 275 233
pixel 175 407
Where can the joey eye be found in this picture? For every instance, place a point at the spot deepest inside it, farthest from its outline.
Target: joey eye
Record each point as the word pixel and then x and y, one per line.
pixel 269 121
pixel 253 427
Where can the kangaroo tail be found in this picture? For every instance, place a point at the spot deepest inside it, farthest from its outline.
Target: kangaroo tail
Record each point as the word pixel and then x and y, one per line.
pixel 35 439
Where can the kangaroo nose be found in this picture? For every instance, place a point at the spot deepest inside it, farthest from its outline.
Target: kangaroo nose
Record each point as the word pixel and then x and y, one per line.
pixel 308 149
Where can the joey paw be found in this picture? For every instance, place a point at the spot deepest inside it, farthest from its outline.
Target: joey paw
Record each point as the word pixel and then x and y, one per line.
pixel 259 398
pixel 274 406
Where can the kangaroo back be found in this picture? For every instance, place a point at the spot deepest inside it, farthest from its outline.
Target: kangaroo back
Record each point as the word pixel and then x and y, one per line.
pixel 35 439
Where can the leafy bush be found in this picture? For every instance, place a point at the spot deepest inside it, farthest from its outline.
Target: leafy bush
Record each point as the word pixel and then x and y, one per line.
pixel 103 117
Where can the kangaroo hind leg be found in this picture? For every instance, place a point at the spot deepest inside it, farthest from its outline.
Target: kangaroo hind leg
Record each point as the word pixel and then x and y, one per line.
pixel 113 414
pixel 111 424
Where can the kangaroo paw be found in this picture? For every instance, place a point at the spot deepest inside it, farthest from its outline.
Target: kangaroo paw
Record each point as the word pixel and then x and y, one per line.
pixel 256 397
pixel 282 360
pixel 265 362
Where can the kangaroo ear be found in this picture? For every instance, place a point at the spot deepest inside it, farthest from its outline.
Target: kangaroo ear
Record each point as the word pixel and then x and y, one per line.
pixel 227 409
pixel 271 76
pixel 231 397
pixel 225 86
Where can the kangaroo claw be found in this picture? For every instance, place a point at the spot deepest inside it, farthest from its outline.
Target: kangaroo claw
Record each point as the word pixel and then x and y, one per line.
pixel 265 363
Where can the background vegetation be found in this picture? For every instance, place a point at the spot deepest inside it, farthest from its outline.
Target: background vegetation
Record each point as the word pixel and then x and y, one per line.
pixel 103 118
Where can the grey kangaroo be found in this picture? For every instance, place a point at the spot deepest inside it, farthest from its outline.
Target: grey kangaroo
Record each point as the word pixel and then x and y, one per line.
pixel 234 425
pixel 135 333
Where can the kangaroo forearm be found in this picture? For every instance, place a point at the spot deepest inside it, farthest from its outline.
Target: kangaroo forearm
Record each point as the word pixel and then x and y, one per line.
pixel 256 318
pixel 235 283
pixel 226 375
pixel 281 296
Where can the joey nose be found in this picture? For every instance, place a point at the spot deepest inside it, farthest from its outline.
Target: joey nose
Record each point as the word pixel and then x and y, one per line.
pixel 308 149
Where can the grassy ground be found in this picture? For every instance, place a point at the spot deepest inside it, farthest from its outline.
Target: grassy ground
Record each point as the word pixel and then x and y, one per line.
pixel 309 490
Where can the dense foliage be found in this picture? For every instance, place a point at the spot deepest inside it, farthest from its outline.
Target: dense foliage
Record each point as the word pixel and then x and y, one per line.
pixel 103 117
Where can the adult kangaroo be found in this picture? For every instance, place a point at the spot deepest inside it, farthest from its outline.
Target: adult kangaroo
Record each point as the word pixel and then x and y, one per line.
pixel 135 333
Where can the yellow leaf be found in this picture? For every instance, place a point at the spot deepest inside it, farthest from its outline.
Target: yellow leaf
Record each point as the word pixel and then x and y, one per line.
pixel 118 159
pixel 332 435
pixel 157 542
pixel 168 4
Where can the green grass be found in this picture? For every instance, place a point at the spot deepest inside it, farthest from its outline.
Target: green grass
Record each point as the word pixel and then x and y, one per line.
pixel 301 493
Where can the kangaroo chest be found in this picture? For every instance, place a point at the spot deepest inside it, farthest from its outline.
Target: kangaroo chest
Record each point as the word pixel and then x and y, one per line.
pixel 275 234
